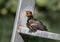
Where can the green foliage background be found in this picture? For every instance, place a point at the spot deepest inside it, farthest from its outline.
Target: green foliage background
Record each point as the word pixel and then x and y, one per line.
pixel 48 11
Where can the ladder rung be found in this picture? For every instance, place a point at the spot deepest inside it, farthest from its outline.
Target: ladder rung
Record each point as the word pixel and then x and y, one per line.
pixel 39 33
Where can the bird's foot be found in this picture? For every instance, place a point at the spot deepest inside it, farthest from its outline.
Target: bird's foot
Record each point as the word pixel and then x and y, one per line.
pixel 30 31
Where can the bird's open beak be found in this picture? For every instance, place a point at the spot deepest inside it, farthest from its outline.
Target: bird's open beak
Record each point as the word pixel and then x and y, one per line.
pixel 27 14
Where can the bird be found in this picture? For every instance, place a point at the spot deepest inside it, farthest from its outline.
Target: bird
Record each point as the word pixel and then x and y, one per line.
pixel 34 24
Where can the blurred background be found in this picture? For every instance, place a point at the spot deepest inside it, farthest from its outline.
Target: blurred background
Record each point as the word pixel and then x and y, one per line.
pixel 48 11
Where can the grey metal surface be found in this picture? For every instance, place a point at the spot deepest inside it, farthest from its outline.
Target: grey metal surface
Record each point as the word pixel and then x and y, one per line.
pixel 18 38
pixel 43 34
pixel 20 17
pixel 14 34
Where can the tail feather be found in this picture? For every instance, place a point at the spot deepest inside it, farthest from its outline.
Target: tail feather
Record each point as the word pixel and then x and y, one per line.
pixel 45 28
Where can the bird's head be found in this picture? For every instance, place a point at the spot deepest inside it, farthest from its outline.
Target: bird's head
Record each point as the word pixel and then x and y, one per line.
pixel 28 13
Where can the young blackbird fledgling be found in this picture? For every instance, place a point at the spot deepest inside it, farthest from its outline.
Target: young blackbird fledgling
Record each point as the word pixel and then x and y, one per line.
pixel 34 24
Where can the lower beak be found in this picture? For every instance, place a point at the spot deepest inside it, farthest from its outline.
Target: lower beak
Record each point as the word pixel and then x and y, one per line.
pixel 27 15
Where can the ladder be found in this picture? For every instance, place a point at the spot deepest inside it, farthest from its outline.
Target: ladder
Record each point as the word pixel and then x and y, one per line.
pixel 24 5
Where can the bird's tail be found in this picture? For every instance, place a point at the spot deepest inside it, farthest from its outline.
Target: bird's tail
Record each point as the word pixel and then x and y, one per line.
pixel 45 28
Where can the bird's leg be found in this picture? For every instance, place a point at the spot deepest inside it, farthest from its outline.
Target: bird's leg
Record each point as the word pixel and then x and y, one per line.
pixel 30 30
pixel 34 29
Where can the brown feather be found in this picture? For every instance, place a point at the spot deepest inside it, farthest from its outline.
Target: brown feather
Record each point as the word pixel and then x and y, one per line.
pixel 34 24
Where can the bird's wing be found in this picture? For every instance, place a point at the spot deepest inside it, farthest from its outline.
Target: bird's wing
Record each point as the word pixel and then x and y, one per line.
pixel 41 26
pixel 38 25
pixel 34 26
